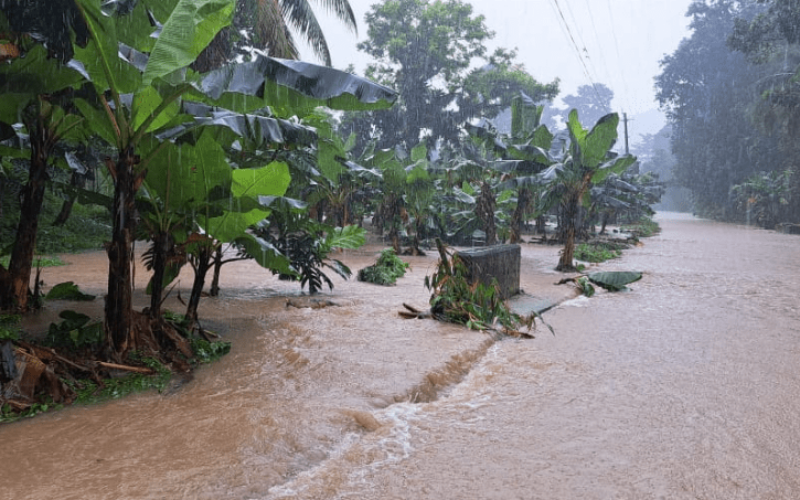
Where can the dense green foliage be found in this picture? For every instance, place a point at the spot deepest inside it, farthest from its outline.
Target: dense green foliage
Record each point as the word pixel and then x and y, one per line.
pixel 597 251
pixel 730 93
pixel 438 92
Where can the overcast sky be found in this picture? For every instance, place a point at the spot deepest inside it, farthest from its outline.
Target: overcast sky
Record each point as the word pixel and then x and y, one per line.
pixel 621 41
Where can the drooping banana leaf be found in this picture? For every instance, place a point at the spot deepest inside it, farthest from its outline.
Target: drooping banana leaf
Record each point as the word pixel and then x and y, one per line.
pixel 265 254
pixel 291 87
pixel 614 281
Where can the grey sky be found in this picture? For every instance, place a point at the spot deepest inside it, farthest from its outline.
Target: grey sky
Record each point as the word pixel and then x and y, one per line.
pixel 621 41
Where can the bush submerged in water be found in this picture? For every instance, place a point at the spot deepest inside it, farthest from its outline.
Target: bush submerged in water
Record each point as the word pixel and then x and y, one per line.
pixel 385 271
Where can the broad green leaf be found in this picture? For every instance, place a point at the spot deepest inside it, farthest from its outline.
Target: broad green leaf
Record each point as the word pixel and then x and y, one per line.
pixel 265 254
pixel 419 152
pixel 11 106
pixel 346 237
pixel 600 140
pixel 292 88
pixel 577 134
pixel 134 29
pixel 328 154
pixel 35 74
pixel 184 175
pixel 614 280
pixel 271 180
pixel 542 138
pixel 100 57
pixel 145 102
pixel 98 121
pixel 616 166
pixel 189 29
pixel 231 225
pixel 528 152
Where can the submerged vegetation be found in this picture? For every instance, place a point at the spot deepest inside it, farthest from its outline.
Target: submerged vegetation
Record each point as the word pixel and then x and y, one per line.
pixel 596 252
pixel 386 269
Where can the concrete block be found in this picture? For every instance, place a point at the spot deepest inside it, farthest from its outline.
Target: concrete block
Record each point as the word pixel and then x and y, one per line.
pixel 787 228
pixel 497 261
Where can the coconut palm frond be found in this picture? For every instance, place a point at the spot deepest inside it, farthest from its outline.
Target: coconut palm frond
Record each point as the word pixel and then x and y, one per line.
pixel 342 10
pixel 301 17
pixel 271 31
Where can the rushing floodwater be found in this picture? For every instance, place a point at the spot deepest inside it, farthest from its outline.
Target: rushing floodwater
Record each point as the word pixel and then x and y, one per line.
pixel 686 387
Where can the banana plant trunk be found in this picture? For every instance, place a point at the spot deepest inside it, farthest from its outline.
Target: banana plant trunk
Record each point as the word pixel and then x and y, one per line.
pixel 524 199
pixel 203 264
pixel 119 305
pixel 571 211
pixel 162 244
pixel 214 291
pixel 16 282
pixel 484 210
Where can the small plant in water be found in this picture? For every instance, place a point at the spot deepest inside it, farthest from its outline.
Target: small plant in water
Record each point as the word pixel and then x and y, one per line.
pixel 386 269
pixel 456 299
pixel 597 252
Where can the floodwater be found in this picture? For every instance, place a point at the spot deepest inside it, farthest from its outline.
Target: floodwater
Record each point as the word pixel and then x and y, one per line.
pixel 685 387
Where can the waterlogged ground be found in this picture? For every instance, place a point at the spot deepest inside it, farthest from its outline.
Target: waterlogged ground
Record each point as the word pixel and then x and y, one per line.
pixel 685 387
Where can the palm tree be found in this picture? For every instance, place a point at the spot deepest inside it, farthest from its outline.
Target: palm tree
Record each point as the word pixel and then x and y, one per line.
pixel 269 25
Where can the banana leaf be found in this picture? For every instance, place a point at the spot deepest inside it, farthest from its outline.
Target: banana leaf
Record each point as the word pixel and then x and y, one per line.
pixel 614 281
pixel 292 87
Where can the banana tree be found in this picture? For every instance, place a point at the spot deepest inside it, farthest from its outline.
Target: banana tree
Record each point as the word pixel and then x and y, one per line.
pixel 146 79
pixel 587 161
pixel 36 99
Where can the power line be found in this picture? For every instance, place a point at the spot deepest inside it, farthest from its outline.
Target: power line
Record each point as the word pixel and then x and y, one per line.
pixel 616 47
pixel 590 60
pixel 603 60
pixel 577 50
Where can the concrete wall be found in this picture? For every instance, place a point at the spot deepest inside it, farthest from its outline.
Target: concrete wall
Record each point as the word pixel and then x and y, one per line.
pixel 497 261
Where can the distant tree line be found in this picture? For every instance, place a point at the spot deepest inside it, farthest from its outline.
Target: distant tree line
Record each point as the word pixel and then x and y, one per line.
pixel 730 91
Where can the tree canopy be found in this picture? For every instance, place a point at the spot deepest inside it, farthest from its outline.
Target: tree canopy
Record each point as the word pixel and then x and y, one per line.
pixel 424 49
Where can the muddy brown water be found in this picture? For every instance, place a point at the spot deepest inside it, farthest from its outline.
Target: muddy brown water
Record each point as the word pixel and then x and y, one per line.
pixel 685 387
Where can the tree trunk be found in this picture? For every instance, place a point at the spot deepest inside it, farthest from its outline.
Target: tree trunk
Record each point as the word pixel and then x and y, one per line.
pixel 200 271
pixel 77 180
pixel 570 215
pixel 214 292
pixel 570 210
pixel 119 307
pixel 14 293
pixel 162 244
pixel 484 210
pixel 518 217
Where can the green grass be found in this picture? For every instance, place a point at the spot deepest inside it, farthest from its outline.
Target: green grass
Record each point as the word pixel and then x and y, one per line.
pixel 53 261
pixel 597 252
pixel 642 228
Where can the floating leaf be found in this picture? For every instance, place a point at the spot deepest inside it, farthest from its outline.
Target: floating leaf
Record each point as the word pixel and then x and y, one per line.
pixel 614 281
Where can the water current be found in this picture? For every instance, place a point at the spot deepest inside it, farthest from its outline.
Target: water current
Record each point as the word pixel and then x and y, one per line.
pixel 687 386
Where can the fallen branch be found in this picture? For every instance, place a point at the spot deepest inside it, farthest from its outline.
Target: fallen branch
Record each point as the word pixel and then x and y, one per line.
pixel 414 313
pixel 48 354
pixel 134 369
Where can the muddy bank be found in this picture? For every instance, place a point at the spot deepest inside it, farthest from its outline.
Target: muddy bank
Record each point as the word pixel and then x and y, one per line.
pixel 299 384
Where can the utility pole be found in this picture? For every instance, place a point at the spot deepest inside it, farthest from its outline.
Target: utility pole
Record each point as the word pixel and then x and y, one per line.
pixel 635 168
pixel 625 119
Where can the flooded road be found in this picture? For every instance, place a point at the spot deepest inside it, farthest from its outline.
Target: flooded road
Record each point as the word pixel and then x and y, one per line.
pixel 688 386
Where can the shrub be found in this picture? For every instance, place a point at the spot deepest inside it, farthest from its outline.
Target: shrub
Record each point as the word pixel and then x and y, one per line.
pixel 386 269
